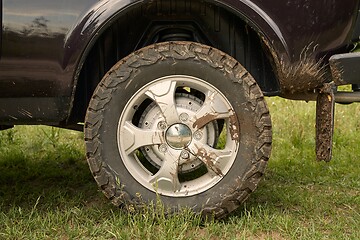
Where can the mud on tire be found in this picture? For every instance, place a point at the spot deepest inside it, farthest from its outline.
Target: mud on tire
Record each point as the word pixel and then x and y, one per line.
pixel 182 121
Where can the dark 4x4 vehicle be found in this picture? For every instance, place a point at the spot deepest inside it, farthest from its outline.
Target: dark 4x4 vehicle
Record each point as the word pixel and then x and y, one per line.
pixel 170 94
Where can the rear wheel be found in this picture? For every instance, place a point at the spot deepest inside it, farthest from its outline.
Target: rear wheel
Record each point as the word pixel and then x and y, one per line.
pixel 181 121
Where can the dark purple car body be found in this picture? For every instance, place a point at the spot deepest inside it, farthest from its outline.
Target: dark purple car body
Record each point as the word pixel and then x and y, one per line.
pixel 44 44
pixel 54 53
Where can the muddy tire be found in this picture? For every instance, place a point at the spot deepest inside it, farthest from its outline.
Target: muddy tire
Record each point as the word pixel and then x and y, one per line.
pixel 182 122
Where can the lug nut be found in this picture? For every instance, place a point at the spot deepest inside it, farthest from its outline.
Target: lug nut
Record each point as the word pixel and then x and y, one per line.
pixel 163 148
pixel 184 117
pixel 184 154
pixel 162 125
pixel 198 135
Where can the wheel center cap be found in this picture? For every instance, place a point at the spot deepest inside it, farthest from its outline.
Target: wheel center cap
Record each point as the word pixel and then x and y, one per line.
pixel 178 136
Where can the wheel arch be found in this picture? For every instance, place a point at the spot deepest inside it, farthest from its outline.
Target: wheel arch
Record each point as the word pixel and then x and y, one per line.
pixel 94 24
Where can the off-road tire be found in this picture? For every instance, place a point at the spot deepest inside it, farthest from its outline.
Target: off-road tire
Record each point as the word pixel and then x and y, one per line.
pixel 178 58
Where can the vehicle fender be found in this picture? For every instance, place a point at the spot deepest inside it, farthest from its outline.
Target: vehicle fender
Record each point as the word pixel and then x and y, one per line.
pixel 89 26
pixel 92 23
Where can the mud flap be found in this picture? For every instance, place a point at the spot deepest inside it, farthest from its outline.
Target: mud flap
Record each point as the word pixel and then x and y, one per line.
pixel 325 122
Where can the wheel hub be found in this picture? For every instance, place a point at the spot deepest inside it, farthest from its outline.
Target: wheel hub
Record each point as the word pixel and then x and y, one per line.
pixel 178 136
pixel 151 118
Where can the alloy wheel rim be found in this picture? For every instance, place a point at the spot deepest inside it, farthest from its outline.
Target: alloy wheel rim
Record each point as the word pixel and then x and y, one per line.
pixel 171 124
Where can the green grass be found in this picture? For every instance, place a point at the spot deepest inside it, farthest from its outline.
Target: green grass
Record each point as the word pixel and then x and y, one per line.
pixel 47 191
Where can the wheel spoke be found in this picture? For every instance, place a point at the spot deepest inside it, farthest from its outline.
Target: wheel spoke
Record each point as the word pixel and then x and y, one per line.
pixel 135 137
pixel 215 160
pixel 166 179
pixel 213 108
pixel 163 94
